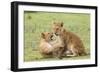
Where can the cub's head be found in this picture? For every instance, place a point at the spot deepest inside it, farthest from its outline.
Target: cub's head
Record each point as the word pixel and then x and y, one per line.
pixel 47 36
pixel 57 27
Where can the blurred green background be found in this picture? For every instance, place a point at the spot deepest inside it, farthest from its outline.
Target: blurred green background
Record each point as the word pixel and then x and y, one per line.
pixel 37 22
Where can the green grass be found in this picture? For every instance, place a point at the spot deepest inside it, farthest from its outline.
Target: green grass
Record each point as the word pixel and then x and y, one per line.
pixel 37 22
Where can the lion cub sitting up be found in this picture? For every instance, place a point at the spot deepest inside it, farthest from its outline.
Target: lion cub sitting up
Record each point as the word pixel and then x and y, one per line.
pixel 73 43
pixel 50 45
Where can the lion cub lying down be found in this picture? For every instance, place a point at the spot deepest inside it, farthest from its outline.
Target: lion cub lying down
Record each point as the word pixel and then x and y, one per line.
pixel 51 45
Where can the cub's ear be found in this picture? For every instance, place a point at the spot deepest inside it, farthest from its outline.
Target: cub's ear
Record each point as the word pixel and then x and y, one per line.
pixel 42 35
pixel 62 24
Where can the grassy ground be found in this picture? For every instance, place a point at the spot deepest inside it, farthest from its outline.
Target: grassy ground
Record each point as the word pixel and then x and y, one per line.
pixel 37 22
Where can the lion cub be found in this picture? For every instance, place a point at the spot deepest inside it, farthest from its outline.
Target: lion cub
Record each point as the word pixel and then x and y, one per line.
pixel 73 43
pixel 50 45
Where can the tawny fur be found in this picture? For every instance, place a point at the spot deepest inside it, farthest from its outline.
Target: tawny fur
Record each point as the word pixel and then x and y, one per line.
pixel 72 42
pixel 50 44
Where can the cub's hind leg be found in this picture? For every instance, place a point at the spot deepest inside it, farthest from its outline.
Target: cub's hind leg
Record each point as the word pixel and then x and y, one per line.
pixel 72 50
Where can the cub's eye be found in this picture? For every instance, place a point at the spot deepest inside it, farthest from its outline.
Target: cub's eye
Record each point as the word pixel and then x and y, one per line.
pixel 51 37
